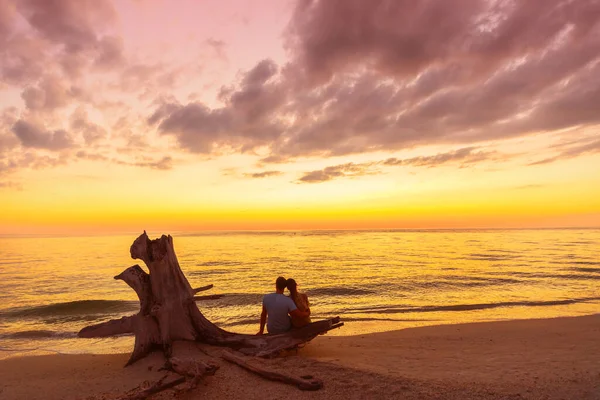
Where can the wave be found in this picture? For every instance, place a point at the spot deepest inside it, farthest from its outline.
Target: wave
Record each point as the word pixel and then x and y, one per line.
pixel 582 269
pixel 233 299
pixel 218 263
pixel 465 307
pixel 39 334
pixel 340 291
pixel 490 257
pixel 72 308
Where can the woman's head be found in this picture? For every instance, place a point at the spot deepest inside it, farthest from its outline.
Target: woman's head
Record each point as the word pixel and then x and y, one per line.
pixel 291 285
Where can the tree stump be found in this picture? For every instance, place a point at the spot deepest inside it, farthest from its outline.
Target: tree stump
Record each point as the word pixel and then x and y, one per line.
pixel 168 311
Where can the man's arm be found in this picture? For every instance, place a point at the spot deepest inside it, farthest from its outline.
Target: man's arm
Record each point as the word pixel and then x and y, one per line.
pixel 263 321
pixel 299 314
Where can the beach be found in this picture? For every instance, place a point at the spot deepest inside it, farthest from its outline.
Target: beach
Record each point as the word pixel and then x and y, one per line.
pixel 553 358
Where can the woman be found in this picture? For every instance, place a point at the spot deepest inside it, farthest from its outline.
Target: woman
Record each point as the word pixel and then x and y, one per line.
pixel 301 301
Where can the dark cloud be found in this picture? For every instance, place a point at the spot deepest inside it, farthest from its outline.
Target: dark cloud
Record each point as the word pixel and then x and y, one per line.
pixel 386 75
pixel 264 174
pixel 260 74
pixel 34 136
pixel 73 24
pixel 247 120
pixel 110 52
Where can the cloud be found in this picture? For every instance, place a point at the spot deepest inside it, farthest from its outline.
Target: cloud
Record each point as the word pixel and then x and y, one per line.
pixel 388 75
pixel 338 171
pixel 70 23
pixel 29 159
pixel 264 174
pixel 164 163
pixel 11 185
pixel 588 145
pixel 38 35
pixel 219 48
pixel 49 94
pixel 34 136
pixel 465 156
pixel 110 52
pixel 246 120
pixel 530 186
pixel 90 131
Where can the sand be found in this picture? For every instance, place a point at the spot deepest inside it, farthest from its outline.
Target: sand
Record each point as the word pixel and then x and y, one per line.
pixel 527 359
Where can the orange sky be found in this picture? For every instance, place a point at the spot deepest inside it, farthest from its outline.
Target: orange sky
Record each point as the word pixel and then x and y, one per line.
pixel 168 116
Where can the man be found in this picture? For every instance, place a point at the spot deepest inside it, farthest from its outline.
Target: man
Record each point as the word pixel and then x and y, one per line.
pixel 276 307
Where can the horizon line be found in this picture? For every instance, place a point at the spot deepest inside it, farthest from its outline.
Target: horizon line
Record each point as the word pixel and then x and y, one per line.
pixel 187 232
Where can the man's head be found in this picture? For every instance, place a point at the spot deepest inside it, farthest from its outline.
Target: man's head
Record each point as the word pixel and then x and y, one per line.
pixel 280 283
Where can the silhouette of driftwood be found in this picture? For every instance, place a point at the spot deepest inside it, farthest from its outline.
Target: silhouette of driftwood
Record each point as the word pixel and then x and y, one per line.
pixel 303 382
pixel 168 311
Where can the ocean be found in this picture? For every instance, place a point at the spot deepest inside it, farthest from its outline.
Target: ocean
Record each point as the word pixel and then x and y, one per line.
pixel 51 287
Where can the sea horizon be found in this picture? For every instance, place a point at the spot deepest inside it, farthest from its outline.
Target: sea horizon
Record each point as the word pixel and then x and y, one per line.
pixel 193 232
pixel 375 280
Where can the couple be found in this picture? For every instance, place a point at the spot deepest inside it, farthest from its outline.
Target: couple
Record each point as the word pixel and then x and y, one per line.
pixel 277 306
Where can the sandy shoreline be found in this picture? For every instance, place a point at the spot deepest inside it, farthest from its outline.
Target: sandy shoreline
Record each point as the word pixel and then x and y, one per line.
pixel 524 359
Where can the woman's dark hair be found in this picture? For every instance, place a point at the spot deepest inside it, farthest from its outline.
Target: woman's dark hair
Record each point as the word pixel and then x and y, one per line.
pixel 291 285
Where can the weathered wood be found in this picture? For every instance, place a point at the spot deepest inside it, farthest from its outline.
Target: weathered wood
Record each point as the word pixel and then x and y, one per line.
pixel 157 387
pixel 113 327
pixel 303 382
pixel 208 297
pixel 194 370
pixel 203 288
pixel 168 310
pixel 191 371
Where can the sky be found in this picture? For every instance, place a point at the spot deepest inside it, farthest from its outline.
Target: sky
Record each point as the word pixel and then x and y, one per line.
pixel 124 115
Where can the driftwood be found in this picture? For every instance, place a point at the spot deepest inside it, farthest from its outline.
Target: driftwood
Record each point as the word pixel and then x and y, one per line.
pixel 303 382
pixel 203 288
pixel 191 371
pixel 208 297
pixel 168 311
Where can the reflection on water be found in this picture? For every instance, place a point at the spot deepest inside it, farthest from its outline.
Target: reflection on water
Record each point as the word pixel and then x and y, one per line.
pixel 375 280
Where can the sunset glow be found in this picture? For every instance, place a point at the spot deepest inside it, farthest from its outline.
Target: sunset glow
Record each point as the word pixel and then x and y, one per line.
pixel 124 115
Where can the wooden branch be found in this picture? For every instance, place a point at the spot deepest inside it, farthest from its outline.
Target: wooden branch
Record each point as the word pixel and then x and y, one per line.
pixel 274 344
pixel 303 382
pixel 157 387
pixel 111 328
pixel 191 371
pixel 139 281
pixel 208 297
pixel 203 288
